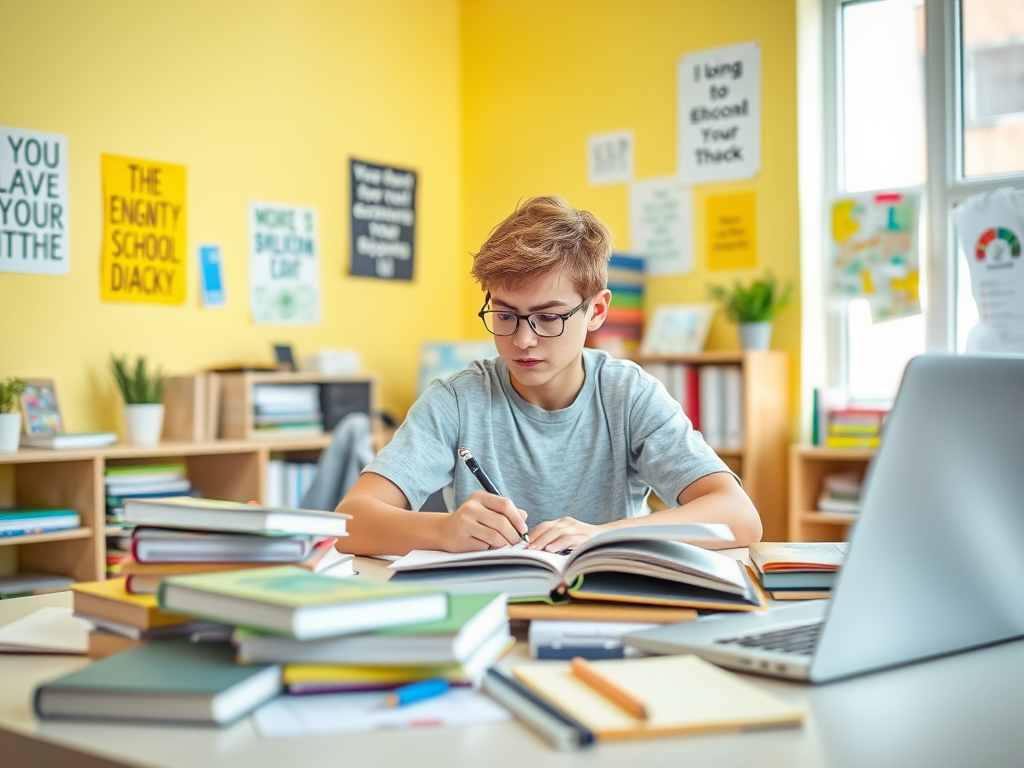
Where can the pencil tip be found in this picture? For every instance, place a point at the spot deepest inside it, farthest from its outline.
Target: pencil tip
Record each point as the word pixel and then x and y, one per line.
pixel 464 454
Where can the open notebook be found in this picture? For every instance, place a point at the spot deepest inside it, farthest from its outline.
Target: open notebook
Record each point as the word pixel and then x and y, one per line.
pixel 655 564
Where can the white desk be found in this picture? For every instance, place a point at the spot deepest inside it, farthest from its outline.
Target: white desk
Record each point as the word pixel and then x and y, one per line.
pixel 959 711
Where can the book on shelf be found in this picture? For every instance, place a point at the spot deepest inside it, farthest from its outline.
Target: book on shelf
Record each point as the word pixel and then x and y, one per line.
pixel 840 492
pixel 69 440
pixel 471 620
pixel 325 678
pixel 111 600
pixel 22 521
pixel 169 545
pixel 32 583
pixel 290 601
pixel 230 516
pixel 161 681
pixel 659 565
pixel 714 700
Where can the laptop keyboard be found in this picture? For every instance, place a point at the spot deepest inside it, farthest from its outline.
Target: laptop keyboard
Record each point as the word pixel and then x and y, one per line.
pixel 797 640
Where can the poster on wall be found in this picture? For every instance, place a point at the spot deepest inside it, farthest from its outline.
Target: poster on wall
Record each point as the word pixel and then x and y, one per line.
pixel 731 231
pixel 211 277
pixel 720 114
pixel 661 225
pixel 383 221
pixel 875 252
pixel 33 202
pixel 144 239
pixel 990 228
pixel 610 158
pixel 284 264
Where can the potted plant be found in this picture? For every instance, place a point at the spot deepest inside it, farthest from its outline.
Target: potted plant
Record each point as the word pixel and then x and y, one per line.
pixel 143 390
pixel 10 413
pixel 753 307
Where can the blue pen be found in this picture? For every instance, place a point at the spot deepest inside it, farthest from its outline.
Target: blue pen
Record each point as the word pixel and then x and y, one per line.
pixel 410 694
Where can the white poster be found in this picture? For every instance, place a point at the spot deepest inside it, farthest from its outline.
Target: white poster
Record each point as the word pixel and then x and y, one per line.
pixel 33 202
pixel 284 264
pixel 661 225
pixel 991 228
pixel 720 114
pixel 610 158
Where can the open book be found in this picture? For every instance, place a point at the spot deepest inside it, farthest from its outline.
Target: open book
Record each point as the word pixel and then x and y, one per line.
pixel 654 564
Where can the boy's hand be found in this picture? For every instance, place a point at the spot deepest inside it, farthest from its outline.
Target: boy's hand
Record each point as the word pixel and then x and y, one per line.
pixel 564 533
pixel 485 521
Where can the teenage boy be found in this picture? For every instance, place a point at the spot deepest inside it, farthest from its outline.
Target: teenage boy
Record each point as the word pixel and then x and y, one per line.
pixel 572 438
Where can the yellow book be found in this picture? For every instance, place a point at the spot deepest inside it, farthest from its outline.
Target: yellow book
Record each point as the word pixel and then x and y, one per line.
pixel 682 695
pixel 110 600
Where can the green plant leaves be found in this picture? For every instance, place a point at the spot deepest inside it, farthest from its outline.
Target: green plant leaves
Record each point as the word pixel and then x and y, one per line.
pixel 10 394
pixel 137 383
pixel 755 303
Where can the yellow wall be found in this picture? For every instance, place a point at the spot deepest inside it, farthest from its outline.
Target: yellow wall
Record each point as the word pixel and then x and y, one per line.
pixel 490 100
pixel 541 76
pixel 260 100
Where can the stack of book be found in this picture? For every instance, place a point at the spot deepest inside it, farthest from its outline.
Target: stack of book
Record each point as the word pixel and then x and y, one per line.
pixel 287 410
pixel 287 482
pixel 797 571
pixel 840 492
pixel 23 521
pixel 140 481
pixel 623 331
pixel 855 428
pixel 184 535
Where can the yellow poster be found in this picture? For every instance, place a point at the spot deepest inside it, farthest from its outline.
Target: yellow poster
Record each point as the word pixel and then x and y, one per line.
pixel 144 244
pixel 732 231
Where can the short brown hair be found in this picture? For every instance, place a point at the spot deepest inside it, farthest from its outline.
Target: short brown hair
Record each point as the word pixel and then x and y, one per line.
pixel 544 235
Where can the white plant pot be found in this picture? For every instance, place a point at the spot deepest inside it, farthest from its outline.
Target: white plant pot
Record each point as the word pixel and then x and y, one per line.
pixel 755 336
pixel 144 422
pixel 10 431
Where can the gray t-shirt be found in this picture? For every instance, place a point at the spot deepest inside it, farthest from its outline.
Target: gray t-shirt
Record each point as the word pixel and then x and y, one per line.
pixel 595 460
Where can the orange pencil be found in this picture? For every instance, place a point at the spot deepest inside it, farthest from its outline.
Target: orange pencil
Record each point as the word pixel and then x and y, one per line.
pixel 608 688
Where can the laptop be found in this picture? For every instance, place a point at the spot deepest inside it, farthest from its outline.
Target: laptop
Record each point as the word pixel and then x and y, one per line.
pixel 936 560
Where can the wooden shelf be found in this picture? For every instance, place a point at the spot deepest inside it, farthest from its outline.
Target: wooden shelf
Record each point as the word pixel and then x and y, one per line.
pixel 37 538
pixel 808 465
pixel 699 358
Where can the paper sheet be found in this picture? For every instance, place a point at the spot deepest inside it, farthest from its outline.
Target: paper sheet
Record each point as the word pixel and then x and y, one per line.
pixel 48 630
pixel 321 714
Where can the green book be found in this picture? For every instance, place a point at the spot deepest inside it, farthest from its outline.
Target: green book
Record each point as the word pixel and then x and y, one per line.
pixel 293 602
pixel 471 620
pixel 162 680
pixel 144 469
pixel 22 513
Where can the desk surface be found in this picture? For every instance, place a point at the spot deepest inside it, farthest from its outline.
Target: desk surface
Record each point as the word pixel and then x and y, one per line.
pixel 961 710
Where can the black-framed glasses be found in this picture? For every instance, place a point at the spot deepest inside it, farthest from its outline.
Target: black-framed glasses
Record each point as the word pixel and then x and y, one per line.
pixel 545 324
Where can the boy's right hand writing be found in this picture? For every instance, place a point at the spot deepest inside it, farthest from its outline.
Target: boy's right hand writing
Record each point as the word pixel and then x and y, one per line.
pixel 485 521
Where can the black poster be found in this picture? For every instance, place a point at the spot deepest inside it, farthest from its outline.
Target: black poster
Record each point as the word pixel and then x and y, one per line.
pixel 383 221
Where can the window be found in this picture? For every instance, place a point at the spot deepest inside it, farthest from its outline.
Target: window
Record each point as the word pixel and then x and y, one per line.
pixel 928 95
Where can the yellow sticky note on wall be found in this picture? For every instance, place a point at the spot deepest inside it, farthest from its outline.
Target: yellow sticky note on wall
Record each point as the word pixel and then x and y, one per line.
pixel 731 232
pixel 144 237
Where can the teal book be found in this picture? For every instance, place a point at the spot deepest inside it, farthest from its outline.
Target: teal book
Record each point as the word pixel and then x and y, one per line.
pixel 161 681
pixel 19 521
pixel 291 601
pixel 471 620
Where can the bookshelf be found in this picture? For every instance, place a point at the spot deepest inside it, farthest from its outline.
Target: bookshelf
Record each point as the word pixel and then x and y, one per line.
pixel 761 456
pixel 808 464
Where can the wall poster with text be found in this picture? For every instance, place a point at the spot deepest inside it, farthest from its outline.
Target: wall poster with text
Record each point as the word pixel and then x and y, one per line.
pixel 383 221
pixel 284 264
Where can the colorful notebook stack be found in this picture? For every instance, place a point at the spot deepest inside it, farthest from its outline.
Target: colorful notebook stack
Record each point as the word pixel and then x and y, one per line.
pixel 798 571
pixel 840 492
pixel 142 481
pixel 24 521
pixel 287 409
pixel 623 330
pixel 184 535
pixel 855 428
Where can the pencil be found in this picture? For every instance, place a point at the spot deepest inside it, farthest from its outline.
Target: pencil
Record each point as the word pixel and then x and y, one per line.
pixel 608 688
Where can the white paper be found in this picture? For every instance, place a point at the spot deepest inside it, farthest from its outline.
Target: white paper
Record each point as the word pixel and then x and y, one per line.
pixel 284 264
pixel 720 114
pixel 610 158
pixel 319 714
pixel 661 225
pixel 48 630
pixel 33 202
pixel 991 232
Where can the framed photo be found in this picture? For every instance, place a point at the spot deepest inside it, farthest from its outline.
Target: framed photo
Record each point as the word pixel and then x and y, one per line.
pixel 39 408
pixel 677 329
pixel 284 358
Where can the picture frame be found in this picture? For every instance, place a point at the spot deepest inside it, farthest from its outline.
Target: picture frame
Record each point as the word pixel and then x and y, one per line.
pixel 40 409
pixel 677 329
pixel 284 358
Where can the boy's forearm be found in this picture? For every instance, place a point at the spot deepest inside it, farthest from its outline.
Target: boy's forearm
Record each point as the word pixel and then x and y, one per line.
pixel 377 528
pixel 719 507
